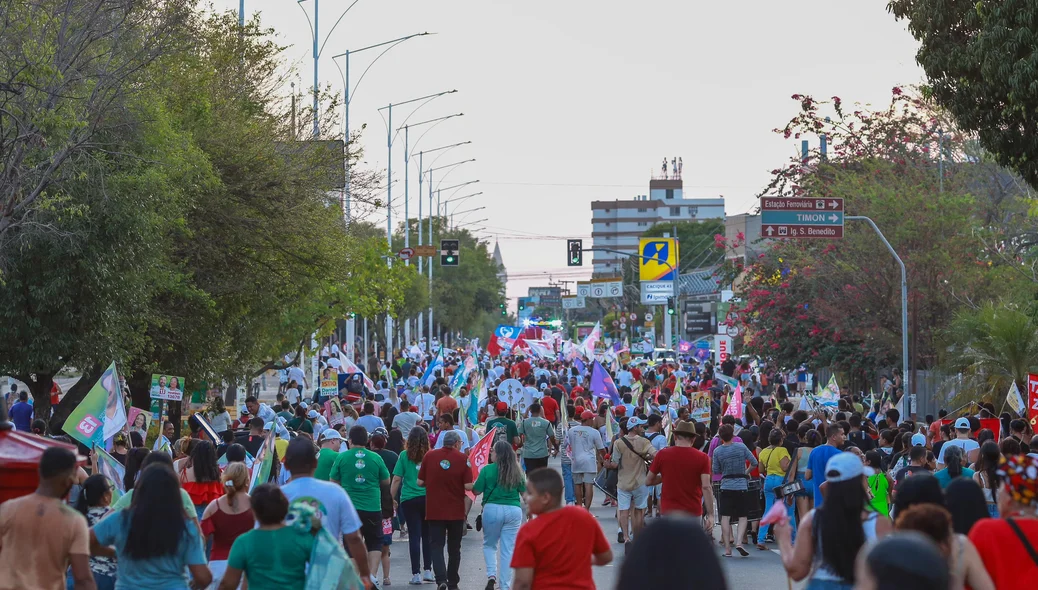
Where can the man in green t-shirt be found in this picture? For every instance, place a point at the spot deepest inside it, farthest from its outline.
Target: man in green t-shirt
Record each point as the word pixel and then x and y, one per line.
pixel 506 429
pixel 363 474
pixel 330 442
pixel 537 431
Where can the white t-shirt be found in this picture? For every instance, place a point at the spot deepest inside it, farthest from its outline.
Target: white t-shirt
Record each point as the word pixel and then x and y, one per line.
pixel 292 394
pixel 335 350
pixel 426 404
pixel 339 517
pixel 296 374
pixel 221 422
pixel 334 362
pixel 583 442
pixel 405 421
pixel 967 445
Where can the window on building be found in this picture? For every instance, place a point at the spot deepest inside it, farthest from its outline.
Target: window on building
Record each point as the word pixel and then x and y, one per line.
pixel 643 223
pixel 642 210
pixel 608 224
pixel 675 211
pixel 608 210
pixel 693 211
pixel 670 193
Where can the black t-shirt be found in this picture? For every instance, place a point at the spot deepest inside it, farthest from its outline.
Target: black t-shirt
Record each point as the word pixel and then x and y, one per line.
pixel 556 394
pixel 252 443
pixel 910 470
pixel 861 440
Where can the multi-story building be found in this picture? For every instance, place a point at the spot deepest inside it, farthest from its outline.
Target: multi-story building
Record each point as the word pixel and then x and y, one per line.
pixel 619 224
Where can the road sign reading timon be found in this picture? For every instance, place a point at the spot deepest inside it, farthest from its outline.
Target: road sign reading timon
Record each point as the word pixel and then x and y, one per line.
pixel 801 218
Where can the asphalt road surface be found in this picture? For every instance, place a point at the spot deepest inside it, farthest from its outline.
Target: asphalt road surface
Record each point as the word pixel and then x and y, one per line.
pixel 762 570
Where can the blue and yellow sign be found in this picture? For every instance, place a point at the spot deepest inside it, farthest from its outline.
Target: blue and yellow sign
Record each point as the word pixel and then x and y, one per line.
pixel 656 254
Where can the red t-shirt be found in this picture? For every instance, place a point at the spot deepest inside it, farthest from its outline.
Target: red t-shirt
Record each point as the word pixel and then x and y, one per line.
pixel 1003 553
pixel 445 473
pixel 636 373
pixel 558 546
pixel 521 369
pixel 682 469
pixel 550 406
pixel 575 393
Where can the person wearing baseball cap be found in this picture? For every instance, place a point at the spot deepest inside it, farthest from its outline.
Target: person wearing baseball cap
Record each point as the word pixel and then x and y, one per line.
pixel 845 510
pixel 586 451
pixel 330 442
pixel 685 474
pixel 970 448
pixel 629 455
pixel 506 427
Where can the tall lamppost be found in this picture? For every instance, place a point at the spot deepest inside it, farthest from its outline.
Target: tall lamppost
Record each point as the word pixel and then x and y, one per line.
pixel 348 96
pixel 390 136
pixel 318 48
pixel 431 170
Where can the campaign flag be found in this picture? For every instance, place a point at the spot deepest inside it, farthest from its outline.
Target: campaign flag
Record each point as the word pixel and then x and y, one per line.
pixel 726 380
pixel 579 364
pixel 1032 399
pixel 684 346
pixel 1015 401
pixel 111 468
pixel 612 426
pixel 264 463
pixel 437 363
pixel 415 353
pixel 540 349
pixel 461 376
pixel 587 347
pixel 735 405
pixel 350 368
pixel 602 384
pixel 87 422
pixel 480 456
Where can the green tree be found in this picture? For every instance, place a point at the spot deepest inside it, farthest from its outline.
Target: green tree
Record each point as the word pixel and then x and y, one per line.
pixel 980 59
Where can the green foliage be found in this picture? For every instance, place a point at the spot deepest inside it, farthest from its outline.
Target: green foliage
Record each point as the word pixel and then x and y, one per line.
pixel 981 59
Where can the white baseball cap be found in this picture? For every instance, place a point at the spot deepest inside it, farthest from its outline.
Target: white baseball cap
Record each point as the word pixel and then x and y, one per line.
pixel 918 440
pixel 843 467
pixel 330 434
pixel 312 414
pixel 962 423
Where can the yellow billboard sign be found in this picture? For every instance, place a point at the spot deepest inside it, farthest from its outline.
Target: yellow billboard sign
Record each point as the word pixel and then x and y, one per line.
pixel 656 254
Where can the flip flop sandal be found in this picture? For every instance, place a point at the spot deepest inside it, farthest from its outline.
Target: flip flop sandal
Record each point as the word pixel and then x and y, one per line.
pixel 742 551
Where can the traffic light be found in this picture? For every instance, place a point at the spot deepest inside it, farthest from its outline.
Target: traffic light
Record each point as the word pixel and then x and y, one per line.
pixel 522 303
pixel 504 311
pixel 449 252
pixel 575 248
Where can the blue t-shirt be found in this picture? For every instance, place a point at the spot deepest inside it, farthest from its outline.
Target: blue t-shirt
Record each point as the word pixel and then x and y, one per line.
pixel 21 415
pixel 370 422
pixel 156 573
pixel 820 455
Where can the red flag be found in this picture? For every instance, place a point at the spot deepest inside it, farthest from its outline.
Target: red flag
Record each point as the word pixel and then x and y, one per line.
pixel 1032 398
pixel 480 456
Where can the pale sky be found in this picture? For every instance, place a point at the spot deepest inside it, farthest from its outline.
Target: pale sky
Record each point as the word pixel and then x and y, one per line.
pixel 571 101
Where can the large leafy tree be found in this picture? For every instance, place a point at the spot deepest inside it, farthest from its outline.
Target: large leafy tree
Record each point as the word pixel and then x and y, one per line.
pixel 981 59
pixel 838 303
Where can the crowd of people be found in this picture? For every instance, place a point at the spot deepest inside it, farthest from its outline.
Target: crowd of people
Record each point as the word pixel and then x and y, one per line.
pixel 849 495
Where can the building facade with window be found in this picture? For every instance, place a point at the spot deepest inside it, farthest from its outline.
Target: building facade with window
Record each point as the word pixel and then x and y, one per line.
pixel 619 224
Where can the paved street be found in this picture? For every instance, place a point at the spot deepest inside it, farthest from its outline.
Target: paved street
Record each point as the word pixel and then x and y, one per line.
pixel 761 571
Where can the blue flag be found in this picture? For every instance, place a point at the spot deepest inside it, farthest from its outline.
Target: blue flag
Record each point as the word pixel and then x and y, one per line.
pixel 437 363
pixel 579 364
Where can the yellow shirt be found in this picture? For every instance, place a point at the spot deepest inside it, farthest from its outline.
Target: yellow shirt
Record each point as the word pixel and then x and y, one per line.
pixel 771 459
pixel 281 446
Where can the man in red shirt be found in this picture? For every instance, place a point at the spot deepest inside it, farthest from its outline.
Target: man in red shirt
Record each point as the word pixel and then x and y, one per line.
pixel 550 407
pixel 685 474
pixel 443 474
pixel 521 369
pixel 556 549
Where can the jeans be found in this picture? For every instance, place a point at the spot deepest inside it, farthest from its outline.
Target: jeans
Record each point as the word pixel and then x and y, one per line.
pixel 827 585
pixel 771 482
pixel 567 478
pixel 446 533
pixel 102 581
pixel 500 527
pixel 413 513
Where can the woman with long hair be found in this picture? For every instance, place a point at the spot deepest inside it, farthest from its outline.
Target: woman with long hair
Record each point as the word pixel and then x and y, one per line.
pixel 228 517
pixel 412 503
pixel 830 536
pixel 965 501
pixel 986 474
pixel 396 441
pixel 200 475
pixel 809 439
pixel 500 483
pixel 954 460
pixel 154 539
pixel 93 503
pixel 133 464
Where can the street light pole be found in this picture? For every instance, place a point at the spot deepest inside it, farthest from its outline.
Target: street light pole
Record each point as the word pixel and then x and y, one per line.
pixel 346 98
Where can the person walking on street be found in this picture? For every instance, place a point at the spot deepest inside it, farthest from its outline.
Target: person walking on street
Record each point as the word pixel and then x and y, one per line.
pixel 683 471
pixel 411 503
pixel 364 476
pixel 820 456
pixel 500 483
pixel 774 463
pixel 730 462
pixel 228 517
pixel 586 451
pixel 629 455
pixel 536 431
pixel 443 474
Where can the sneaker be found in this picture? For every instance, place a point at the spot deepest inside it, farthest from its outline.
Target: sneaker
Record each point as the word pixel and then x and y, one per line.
pixel 416 580
pixel 429 577
pixel 490 584
pixel 620 537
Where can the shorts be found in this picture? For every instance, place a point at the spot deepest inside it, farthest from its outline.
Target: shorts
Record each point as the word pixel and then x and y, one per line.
pixel 639 497
pixel 588 478
pixel 735 503
pixel 535 463
pixel 657 491
pixel 371 529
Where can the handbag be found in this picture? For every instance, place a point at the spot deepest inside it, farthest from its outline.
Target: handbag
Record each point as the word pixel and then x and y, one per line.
pixel 789 488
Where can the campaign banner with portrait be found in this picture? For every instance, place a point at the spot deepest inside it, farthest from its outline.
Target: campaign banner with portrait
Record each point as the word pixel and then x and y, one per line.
pixel 329 382
pixel 700 406
pixel 167 387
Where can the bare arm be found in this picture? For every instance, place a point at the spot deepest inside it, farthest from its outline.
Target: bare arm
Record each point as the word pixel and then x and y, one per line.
pixel 394 488
pixel 797 558
pixel 81 571
pixel 99 550
pixel 708 499
pixel 201 577
pixel 231 579
pixel 522 579
pixel 602 558
pixel 355 543
pixel 977 576
pixel 652 479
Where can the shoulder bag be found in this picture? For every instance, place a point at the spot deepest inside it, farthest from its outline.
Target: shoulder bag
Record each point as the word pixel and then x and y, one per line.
pixel 645 459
